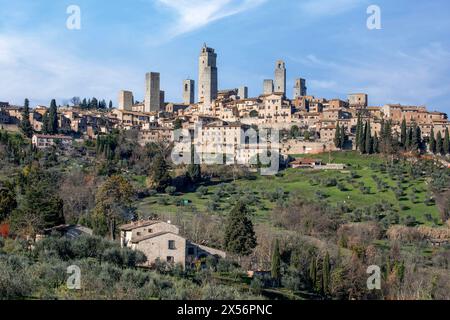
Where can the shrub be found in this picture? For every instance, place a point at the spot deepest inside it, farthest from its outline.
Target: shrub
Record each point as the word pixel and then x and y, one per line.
pixel 202 191
pixel 171 190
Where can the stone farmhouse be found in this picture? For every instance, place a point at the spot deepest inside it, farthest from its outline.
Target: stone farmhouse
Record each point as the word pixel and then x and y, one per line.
pixel 161 241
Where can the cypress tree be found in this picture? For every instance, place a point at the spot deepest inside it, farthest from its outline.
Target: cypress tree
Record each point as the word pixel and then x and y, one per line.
pixel 326 276
pixel 343 137
pixel 240 237
pixel 25 124
pixel 358 132
pixel 362 139
pixel 409 139
pixel 110 104
pixel 52 124
pixel 276 262
pixel 368 142
pixel 376 144
pixel 446 145
pixel 337 136
pixel 432 143
pixel 403 133
pixel 194 170
pixel 439 145
pixel 416 138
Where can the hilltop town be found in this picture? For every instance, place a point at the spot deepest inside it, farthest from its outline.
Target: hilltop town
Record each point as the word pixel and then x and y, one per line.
pixel 99 186
pixel 312 120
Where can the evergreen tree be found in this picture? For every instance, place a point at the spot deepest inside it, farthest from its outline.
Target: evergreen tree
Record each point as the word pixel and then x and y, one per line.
pixel 240 237
pixel 113 204
pixel 25 124
pixel 368 139
pixel 194 170
pixel 159 178
pixel 403 134
pixel 439 144
pixel 40 206
pixel 343 138
pixel 326 274
pixel 7 201
pixel 110 104
pixel 446 145
pixel 177 124
pixel 416 138
pixel 84 104
pixel 358 132
pixel 432 143
pixel 337 136
pixel 362 139
pixel 45 123
pixel 52 123
pixel 409 139
pixel 376 144
pixel 276 262
pixel 93 104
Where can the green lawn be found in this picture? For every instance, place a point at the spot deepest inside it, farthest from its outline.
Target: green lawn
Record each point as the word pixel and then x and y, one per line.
pixel 298 182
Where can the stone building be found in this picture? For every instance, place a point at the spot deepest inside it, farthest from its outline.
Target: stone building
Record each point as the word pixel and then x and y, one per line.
pixel 188 92
pixel 152 100
pixel 243 92
pixel 280 77
pixel 155 135
pixel 42 141
pixel 126 100
pixel 207 76
pixel 161 241
pixel 358 100
pixel 268 86
pixel 300 88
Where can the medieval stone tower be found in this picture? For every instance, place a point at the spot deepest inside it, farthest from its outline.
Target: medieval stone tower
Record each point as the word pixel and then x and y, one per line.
pixel 207 76
pixel 268 86
pixel 188 91
pixel 300 88
pixel 152 99
pixel 280 77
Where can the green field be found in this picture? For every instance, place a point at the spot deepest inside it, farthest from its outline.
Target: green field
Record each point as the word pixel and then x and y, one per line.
pixel 300 182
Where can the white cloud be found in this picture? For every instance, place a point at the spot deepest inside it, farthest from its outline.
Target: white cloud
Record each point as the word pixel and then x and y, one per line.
pixel 39 69
pixel 194 14
pixel 328 7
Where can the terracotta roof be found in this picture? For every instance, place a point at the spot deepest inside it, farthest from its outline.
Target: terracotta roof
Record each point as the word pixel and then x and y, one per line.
pixel 151 236
pixel 47 136
pixel 138 224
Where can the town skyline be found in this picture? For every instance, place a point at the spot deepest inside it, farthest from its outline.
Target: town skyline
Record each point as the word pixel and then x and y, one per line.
pixel 412 73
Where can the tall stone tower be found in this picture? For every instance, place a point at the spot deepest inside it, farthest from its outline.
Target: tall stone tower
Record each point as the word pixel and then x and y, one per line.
pixel 188 91
pixel 268 86
pixel 152 101
pixel 207 76
pixel 280 77
pixel 126 100
pixel 243 92
pixel 300 88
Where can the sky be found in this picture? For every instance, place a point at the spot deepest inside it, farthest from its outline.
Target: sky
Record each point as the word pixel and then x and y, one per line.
pixel 327 42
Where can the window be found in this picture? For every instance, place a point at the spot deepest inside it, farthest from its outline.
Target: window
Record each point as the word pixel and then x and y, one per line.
pixel 171 244
pixel 170 259
pixel 190 251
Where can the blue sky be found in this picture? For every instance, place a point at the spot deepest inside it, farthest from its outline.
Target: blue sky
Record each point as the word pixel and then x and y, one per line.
pixel 325 41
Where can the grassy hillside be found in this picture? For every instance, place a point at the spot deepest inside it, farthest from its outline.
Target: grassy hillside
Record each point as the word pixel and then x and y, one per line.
pixel 356 187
